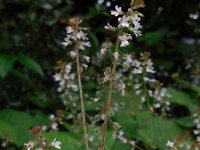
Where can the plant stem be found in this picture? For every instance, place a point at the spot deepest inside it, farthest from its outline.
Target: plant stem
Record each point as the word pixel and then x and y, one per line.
pixel 80 89
pixel 108 102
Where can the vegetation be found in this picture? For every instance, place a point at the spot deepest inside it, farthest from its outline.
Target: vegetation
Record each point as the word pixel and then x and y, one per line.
pixel 106 75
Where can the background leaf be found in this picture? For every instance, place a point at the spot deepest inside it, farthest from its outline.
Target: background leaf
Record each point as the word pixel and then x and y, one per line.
pixel 31 64
pixel 6 64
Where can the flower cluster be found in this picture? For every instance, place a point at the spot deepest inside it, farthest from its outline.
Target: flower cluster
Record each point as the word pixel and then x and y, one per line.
pixel 71 38
pixel 141 73
pixel 40 142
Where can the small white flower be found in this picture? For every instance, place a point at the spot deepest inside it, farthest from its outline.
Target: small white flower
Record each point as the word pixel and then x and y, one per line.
pixel 103 51
pixel 117 12
pixel 82 45
pixel 72 54
pixel 87 58
pixel 170 144
pixel 108 27
pixel 124 21
pixel 44 128
pixel 196 132
pixel 100 2
pixel 52 117
pixel 68 68
pixel 157 105
pixel 56 144
pixel 29 145
pixel 69 29
pixel 85 66
pixel 116 55
pixel 96 99
pixel 57 77
pixel 54 126
pixel 82 35
pixel 124 39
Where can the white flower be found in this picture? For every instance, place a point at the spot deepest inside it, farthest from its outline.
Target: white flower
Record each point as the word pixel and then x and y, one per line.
pixel 157 105
pixel 29 145
pixel 82 45
pixel 124 39
pixel 100 2
pixel 87 58
pixel 96 99
pixel 82 35
pixel 170 144
pixel 103 51
pixel 124 21
pixel 68 68
pixel 56 144
pixel 137 67
pixel 117 12
pixel 137 25
pixel 54 126
pixel 121 87
pixel 52 117
pixel 72 54
pixel 57 77
pixel 108 27
pixel 149 66
pixel 116 55
pixel 196 132
pixel 69 29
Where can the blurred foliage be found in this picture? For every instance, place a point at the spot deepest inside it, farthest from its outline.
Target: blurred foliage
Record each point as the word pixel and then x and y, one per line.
pixel 30 36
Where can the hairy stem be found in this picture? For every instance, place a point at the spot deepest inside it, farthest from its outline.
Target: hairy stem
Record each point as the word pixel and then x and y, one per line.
pixel 110 88
pixel 80 89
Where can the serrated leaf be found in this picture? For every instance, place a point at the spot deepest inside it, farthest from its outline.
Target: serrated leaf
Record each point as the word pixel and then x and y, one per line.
pixel 31 64
pixel 6 64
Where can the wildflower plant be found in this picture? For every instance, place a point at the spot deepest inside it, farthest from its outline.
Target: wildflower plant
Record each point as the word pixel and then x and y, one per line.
pixel 126 20
pixel 77 39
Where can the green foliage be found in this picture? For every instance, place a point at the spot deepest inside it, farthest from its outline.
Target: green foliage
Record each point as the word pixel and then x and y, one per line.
pixel 182 99
pixel 160 130
pixel 6 64
pixel 19 123
pixel 31 32
pixel 31 64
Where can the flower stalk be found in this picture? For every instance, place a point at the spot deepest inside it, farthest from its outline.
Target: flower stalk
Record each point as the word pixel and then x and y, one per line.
pixel 80 88
pixel 110 89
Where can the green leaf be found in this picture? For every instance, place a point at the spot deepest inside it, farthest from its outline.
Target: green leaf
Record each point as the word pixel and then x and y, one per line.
pixel 40 102
pixel 156 131
pixel 31 64
pixel 6 130
pixel 182 98
pixel 21 123
pixel 118 145
pixel 186 122
pixel 153 37
pixel 6 64
pixel 190 86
